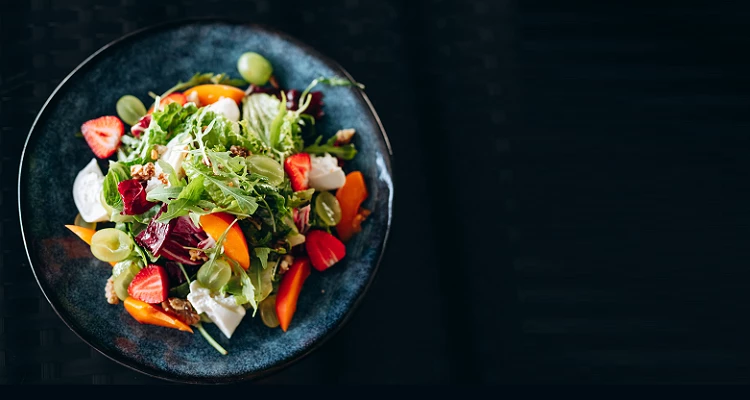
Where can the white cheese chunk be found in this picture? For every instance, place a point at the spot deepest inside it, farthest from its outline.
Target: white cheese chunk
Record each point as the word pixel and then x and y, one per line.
pixel 222 311
pixel 226 107
pixel 87 193
pixel 325 173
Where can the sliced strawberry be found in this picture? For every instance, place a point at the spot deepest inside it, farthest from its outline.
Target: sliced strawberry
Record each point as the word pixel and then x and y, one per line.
pixel 150 285
pixel 298 168
pixel 323 249
pixel 175 97
pixel 103 135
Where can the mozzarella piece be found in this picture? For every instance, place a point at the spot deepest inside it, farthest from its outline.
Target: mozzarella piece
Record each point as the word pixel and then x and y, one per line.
pixel 87 193
pixel 222 311
pixel 325 173
pixel 226 107
pixel 177 150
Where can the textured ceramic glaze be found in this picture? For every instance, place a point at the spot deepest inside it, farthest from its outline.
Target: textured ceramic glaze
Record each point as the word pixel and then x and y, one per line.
pixel 73 280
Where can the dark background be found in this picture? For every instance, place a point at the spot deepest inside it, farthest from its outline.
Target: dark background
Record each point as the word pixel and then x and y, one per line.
pixel 571 187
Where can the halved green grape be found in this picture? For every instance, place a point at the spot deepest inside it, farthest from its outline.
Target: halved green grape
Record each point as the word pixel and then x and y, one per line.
pixel 83 224
pixel 123 273
pixel 130 109
pixel 214 275
pixel 328 209
pixel 254 68
pixel 111 245
pixel 268 312
pixel 268 167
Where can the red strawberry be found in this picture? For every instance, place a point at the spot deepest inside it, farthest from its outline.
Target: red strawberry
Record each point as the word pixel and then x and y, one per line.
pixel 103 135
pixel 150 285
pixel 323 249
pixel 298 168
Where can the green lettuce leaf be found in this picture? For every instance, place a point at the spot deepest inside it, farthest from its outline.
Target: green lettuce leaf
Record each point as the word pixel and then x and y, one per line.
pixel 117 173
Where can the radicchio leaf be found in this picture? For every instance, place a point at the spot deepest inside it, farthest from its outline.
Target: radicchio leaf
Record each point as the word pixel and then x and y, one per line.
pixel 133 193
pixel 173 239
pixel 316 103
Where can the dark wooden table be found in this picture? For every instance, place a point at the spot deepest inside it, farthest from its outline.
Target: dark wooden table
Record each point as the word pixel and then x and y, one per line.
pixel 571 187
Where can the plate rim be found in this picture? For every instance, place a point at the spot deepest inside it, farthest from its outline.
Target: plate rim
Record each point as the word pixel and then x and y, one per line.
pixel 284 363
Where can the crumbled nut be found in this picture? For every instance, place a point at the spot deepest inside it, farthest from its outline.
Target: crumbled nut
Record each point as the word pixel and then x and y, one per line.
pixel 163 178
pixel 182 309
pixel 230 184
pixel 344 136
pixel 239 151
pixel 154 154
pixel 142 172
pixel 109 292
pixel 196 255
pixel 284 264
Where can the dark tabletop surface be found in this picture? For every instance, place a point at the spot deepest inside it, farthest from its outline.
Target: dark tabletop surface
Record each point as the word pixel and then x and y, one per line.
pixel 571 199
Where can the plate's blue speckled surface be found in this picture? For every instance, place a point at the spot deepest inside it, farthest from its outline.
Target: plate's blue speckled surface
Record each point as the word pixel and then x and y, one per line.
pixel 73 280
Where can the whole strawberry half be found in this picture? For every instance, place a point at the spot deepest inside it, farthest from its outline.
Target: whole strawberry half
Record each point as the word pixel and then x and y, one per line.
pixel 103 135
pixel 150 285
pixel 323 249
pixel 298 167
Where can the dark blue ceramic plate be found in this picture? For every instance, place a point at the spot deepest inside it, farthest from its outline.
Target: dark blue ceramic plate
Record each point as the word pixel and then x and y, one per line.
pixel 73 280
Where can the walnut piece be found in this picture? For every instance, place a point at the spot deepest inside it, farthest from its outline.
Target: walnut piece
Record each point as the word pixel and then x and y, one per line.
pixel 182 309
pixel 344 136
pixel 239 151
pixel 109 292
pixel 143 172
pixel 196 255
pixel 163 178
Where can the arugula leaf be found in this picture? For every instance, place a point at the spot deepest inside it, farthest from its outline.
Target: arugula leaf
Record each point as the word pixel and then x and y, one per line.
pixel 300 198
pixel 261 278
pixel 186 201
pixel 117 173
pixel 193 190
pixel 345 152
pixel 248 289
pixel 262 254
pixel 245 204
pixel 164 193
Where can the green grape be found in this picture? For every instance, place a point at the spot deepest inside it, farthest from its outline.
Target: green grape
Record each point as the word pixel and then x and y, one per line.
pixel 122 274
pixel 254 68
pixel 214 275
pixel 130 109
pixel 268 167
pixel 268 312
pixel 328 209
pixel 111 245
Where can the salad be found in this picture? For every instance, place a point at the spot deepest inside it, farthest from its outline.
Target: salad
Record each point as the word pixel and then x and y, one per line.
pixel 219 200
